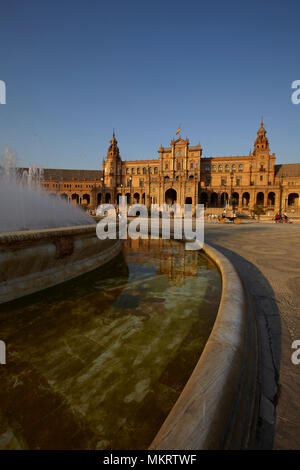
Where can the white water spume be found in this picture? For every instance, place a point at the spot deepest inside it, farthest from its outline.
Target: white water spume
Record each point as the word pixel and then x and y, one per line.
pixel 23 206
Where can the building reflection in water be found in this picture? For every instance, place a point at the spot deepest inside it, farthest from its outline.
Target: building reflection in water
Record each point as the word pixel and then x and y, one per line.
pixel 170 257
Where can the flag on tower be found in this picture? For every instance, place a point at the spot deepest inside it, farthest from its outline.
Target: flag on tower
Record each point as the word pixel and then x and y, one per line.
pixel 178 130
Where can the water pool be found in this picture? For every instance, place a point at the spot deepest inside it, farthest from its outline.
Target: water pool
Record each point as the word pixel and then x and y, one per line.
pixel 99 361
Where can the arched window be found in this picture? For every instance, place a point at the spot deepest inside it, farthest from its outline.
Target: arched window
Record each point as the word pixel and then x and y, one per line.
pixel 138 170
pixel 227 168
pixel 156 170
pixel 240 167
pixel 233 167
pixel 213 168
pixel 144 171
pixel 220 168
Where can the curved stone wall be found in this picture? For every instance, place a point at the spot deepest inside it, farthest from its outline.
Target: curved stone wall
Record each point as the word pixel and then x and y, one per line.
pixel 217 408
pixel 34 260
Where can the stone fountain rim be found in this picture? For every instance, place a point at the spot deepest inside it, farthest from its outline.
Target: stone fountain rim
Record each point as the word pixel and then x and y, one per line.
pixel 218 402
pixel 41 234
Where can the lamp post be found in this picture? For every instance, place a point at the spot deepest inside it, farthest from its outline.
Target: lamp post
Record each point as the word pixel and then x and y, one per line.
pixel 225 195
pixel 195 199
pixel 103 188
pixel 130 184
pixel 280 197
pixel 231 188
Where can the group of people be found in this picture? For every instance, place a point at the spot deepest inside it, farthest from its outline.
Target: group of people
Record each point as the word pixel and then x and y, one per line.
pixel 281 218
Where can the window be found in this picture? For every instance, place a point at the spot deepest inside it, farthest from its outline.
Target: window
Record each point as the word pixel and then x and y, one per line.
pixel 138 170
pixel 207 168
pixel 144 171
pixel 213 168
pixel 233 167
pixel 141 182
pixel 149 170
pixel 240 167
pixel 178 166
pixel 127 171
pixel 220 168
pixel 223 181
pixel 132 170
pixel 238 181
pixel 261 177
pixel 227 168
pixel 156 170
pixel 167 166
pixel 192 166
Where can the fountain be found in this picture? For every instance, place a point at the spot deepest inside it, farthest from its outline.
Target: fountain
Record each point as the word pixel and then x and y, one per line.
pixel 23 206
pixel 43 241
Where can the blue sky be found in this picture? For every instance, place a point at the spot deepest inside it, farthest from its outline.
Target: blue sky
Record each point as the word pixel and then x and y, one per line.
pixel 76 69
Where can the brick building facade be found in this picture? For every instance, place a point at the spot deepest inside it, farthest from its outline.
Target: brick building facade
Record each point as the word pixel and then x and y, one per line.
pixel 181 175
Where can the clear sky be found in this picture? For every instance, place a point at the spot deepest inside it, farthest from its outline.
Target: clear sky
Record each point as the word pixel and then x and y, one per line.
pixel 76 69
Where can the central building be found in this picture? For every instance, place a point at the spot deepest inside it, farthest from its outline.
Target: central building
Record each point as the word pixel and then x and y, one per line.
pixel 172 178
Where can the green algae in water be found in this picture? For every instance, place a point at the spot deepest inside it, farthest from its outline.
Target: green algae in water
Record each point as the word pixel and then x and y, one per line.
pixel 99 361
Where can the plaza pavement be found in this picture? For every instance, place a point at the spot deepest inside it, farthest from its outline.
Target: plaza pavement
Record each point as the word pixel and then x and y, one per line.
pixel 267 258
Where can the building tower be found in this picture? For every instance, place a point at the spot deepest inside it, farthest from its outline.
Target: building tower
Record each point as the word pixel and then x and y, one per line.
pixel 112 164
pixel 264 162
pixel 261 144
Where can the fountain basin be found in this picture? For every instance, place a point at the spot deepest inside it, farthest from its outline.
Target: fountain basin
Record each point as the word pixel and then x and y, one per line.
pixel 37 259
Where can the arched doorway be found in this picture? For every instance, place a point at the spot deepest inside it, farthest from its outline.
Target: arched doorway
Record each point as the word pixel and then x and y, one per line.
pixel 224 199
pixel 293 200
pixel 170 196
pixel 235 199
pixel 260 199
pixel 271 199
pixel 75 198
pixel 188 200
pixel 203 198
pixel 136 198
pixel 128 198
pixel 245 199
pixel 86 199
pixel 99 198
pixel 214 200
